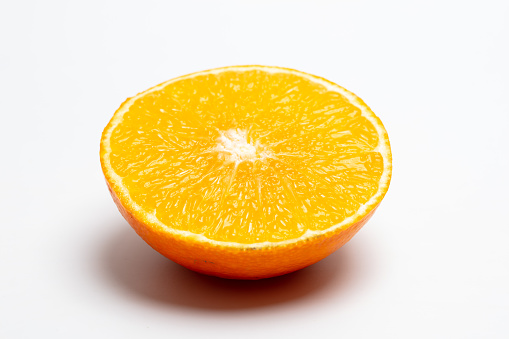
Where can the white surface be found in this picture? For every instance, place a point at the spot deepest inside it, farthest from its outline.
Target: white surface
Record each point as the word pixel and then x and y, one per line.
pixel 432 263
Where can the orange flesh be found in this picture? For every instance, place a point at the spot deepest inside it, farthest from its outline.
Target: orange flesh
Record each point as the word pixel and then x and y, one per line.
pixel 247 156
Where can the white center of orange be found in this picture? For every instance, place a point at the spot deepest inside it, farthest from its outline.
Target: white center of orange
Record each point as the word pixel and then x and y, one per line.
pixel 233 144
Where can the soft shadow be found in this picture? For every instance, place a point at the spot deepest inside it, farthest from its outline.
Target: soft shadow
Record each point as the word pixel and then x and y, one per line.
pixel 133 265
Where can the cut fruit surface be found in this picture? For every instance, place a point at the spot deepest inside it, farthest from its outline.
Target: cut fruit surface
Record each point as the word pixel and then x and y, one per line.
pixel 226 171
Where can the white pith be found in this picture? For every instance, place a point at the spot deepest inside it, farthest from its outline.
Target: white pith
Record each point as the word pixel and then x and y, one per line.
pixel 234 144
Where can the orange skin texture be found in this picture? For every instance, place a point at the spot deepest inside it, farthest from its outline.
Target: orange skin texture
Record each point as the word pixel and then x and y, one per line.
pixel 242 263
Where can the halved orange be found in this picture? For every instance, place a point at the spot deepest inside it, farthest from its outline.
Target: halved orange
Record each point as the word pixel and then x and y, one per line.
pixel 246 172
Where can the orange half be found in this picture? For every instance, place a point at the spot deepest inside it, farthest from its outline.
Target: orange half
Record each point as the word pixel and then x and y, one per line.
pixel 246 172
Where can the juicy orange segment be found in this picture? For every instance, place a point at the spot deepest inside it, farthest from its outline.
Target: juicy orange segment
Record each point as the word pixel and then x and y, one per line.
pixel 247 155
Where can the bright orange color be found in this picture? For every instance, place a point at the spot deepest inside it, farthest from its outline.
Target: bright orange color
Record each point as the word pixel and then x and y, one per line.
pixel 246 172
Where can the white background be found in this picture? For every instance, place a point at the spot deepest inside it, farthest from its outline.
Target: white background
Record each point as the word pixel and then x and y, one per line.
pixel 432 263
